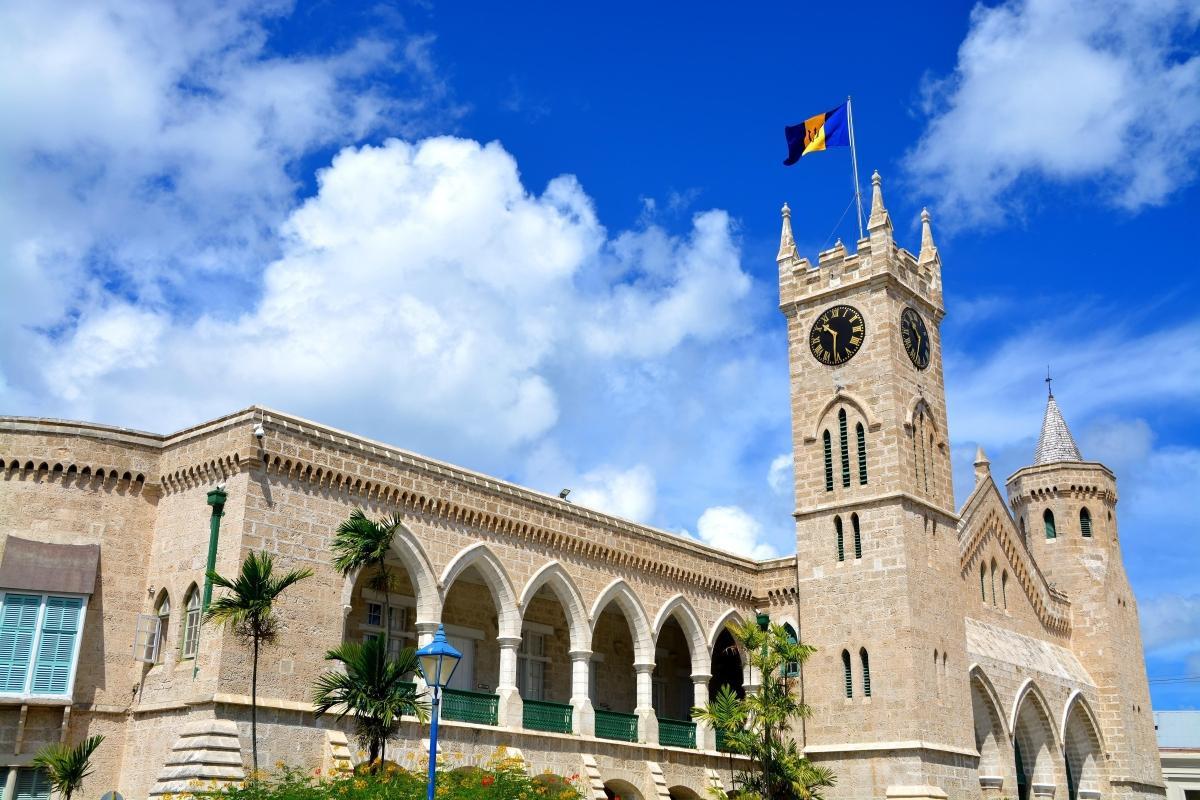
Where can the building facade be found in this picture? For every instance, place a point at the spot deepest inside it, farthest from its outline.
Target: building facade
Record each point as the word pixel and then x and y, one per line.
pixel 1179 748
pixel 986 652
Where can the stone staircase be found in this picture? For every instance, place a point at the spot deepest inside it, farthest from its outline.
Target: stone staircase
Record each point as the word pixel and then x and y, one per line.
pixel 207 757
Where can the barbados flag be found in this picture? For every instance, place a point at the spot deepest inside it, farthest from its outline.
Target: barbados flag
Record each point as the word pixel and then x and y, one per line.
pixel 817 133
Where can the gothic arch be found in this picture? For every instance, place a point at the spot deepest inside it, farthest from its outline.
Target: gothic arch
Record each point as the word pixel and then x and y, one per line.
pixel 731 615
pixel 559 580
pixel 992 738
pixel 685 615
pixel 1035 740
pixel 1082 747
pixel 842 397
pixel 408 549
pixel 491 569
pixel 635 615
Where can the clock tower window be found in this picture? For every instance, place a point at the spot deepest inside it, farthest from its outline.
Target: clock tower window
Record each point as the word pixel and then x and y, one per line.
pixel 828 461
pixel 841 544
pixel 1048 519
pixel 857 536
pixel 862 453
pixel 845 445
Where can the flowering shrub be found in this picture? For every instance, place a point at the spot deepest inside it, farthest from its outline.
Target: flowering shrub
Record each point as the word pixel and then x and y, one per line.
pixel 502 778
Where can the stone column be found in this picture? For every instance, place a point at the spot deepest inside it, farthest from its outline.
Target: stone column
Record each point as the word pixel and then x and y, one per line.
pixel 647 719
pixel 706 737
pixel 511 710
pixel 583 718
pixel 425 632
pixel 10 785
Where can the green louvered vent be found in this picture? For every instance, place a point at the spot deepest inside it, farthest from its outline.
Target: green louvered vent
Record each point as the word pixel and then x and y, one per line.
pixel 18 624
pixel 841 548
pixel 1085 523
pixel 857 536
pixel 847 675
pixel 1048 519
pixel 828 462
pixel 32 784
pixel 56 649
pixel 862 454
pixel 845 443
pixel 866 669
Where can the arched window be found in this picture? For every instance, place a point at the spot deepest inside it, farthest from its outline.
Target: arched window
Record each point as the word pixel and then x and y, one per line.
pixel 792 668
pixel 847 676
pixel 929 465
pixel 993 581
pixel 163 612
pixel 828 461
pixel 862 453
pixel 841 547
pixel 983 582
pixel 1085 522
pixel 1048 519
pixel 843 440
pixel 191 623
pixel 1004 587
pixel 857 536
pixel 937 673
pixel 866 670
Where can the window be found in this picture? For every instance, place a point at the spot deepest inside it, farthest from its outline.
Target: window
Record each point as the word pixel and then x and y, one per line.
pixel 983 582
pixel 39 643
pixel 191 624
pixel 857 536
pixel 845 448
pixel 531 665
pixel 993 581
pixel 866 672
pixel 375 614
pixel 1048 519
pixel 929 464
pixel 163 612
pixel 847 676
pixel 1085 522
pixel 862 453
pixel 841 548
pixel 1004 587
pixel 937 673
pixel 32 784
pixel 792 668
pixel 828 461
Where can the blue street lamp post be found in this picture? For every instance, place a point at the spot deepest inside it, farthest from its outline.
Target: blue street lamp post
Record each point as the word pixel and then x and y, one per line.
pixel 437 660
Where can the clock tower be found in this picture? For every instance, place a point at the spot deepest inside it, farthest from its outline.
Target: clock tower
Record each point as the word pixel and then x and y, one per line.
pixel 878 557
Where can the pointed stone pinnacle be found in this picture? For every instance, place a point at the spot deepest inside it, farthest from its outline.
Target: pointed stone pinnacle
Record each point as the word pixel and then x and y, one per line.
pixel 787 243
pixel 929 250
pixel 879 213
pixel 983 467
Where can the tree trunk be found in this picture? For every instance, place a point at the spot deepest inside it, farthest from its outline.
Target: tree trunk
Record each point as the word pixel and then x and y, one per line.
pixel 254 706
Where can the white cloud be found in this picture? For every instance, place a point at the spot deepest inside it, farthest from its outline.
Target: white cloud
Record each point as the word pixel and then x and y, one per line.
pixel 626 493
pixel 732 528
pixel 1107 92
pixel 1171 625
pixel 779 474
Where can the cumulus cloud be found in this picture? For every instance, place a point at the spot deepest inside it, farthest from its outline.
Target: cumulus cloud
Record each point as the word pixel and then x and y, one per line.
pixel 1171 625
pixel 1105 92
pixel 732 528
pixel 628 493
pixel 779 474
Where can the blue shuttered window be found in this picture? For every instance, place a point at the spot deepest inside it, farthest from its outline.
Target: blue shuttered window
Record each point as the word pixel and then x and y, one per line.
pixel 39 638
pixel 32 784
pixel 18 626
pixel 56 648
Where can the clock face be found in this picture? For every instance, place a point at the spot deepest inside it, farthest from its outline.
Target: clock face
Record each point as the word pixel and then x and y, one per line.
pixel 915 336
pixel 837 335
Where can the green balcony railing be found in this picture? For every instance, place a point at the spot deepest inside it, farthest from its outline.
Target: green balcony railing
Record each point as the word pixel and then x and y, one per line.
pixel 474 707
pixel 676 733
pixel 612 725
pixel 722 741
pixel 540 715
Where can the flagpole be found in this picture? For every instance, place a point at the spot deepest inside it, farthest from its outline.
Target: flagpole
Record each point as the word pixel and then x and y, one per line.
pixel 854 160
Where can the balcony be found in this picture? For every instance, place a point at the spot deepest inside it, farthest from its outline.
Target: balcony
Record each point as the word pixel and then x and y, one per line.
pixel 612 725
pixel 474 707
pixel 540 715
pixel 676 733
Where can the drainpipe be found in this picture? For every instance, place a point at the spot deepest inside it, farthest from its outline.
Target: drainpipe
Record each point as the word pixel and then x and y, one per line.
pixel 216 499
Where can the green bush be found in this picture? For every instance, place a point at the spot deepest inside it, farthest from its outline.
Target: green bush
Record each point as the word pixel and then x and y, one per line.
pixel 502 778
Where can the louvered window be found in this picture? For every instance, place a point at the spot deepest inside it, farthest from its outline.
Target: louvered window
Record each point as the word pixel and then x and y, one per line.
pixel 862 453
pixel 841 545
pixel 32 784
pixel 1085 522
pixel 866 672
pixel 792 668
pixel 828 462
pixel 983 582
pixel 843 439
pixel 1048 519
pixel 847 674
pixel 39 638
pixel 857 536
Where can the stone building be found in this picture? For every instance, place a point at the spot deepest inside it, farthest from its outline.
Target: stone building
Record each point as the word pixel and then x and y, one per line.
pixel 986 652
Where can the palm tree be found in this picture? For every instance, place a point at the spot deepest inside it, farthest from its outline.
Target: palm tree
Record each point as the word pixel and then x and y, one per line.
pixel 374 688
pixel 247 611
pixel 68 766
pixel 363 542
pixel 725 715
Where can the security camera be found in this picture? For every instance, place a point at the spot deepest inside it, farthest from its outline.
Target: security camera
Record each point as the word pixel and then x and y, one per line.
pixel 259 431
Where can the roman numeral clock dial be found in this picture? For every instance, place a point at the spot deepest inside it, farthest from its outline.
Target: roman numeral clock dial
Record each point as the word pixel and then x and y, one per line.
pixel 837 335
pixel 915 336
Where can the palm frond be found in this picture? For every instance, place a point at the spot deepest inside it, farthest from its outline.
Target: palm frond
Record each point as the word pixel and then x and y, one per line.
pixel 68 766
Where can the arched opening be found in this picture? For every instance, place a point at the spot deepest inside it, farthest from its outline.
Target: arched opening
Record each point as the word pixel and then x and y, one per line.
pixel 189 633
pixel 162 610
pixel 727 668
pixel 1033 744
pixel 828 444
pixel 857 536
pixel 1004 587
pixel 865 663
pixel 621 790
pixel 991 739
pixel 841 539
pixel 1085 523
pixel 993 581
pixel 792 668
pixel 683 793
pixel 553 624
pixel 844 443
pixel 983 582
pixel 621 645
pixel 862 453
pixel 1048 521
pixel 847 674
pixel 672 685
pixel 373 610
pixel 1083 749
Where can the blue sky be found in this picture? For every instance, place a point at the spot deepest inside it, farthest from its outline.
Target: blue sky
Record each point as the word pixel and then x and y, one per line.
pixel 539 241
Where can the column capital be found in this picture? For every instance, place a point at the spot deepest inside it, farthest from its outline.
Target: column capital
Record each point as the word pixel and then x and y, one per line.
pixel 427 626
pixel 701 677
pixel 580 655
pixel 644 667
pixel 508 641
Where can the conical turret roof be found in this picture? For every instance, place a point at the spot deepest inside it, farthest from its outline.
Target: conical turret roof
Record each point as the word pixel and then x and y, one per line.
pixel 1056 442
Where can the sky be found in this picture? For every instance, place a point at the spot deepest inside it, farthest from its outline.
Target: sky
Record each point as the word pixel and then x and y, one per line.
pixel 539 240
